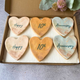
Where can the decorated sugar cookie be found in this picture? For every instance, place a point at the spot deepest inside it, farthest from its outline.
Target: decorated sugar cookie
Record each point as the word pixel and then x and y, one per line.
pixel 40 26
pixel 18 25
pixel 16 47
pixel 40 48
pixel 65 46
pixel 62 26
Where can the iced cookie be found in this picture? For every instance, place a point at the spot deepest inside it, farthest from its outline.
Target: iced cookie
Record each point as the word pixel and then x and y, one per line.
pixel 18 25
pixel 65 46
pixel 40 26
pixel 16 47
pixel 62 26
pixel 40 48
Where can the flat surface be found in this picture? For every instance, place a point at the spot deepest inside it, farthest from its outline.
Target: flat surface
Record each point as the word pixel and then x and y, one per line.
pixel 35 72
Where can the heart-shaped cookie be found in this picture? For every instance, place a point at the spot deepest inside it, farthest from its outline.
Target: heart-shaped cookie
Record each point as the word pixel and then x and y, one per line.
pixel 40 26
pixel 63 26
pixel 18 25
pixel 16 47
pixel 40 48
pixel 65 46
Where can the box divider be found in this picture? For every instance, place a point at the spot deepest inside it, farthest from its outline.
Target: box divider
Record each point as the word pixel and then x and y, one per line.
pixel 77 36
pixel 3 40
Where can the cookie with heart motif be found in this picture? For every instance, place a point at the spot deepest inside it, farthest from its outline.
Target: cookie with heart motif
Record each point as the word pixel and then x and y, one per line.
pixel 65 46
pixel 40 48
pixel 16 47
pixel 62 26
pixel 40 27
pixel 18 25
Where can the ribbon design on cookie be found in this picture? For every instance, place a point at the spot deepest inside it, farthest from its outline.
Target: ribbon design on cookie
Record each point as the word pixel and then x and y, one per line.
pixel 62 26
pixel 40 48
pixel 65 46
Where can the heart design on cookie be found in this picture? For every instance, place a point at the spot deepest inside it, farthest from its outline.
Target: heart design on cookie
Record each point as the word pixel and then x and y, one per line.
pixel 40 26
pixel 40 48
pixel 62 26
pixel 16 47
pixel 65 46
pixel 18 25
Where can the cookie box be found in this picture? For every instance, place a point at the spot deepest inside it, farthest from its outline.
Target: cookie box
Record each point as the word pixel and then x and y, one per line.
pixel 30 8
